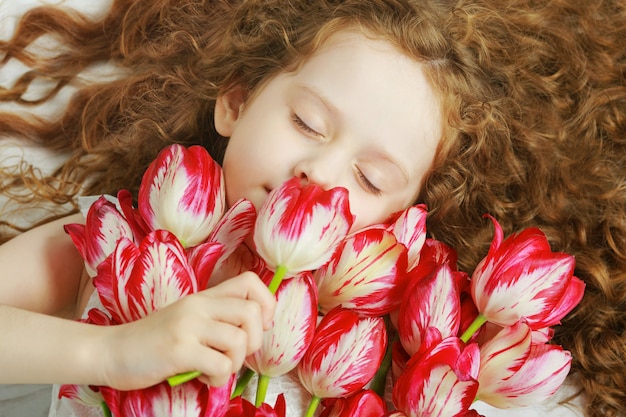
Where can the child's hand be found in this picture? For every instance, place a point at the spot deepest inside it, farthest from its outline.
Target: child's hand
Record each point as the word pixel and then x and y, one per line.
pixel 211 332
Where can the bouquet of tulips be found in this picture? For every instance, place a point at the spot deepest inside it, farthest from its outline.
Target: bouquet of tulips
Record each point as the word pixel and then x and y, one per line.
pixel 356 310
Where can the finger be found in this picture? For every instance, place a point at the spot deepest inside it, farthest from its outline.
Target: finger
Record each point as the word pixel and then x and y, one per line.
pixel 248 286
pixel 230 340
pixel 215 366
pixel 245 315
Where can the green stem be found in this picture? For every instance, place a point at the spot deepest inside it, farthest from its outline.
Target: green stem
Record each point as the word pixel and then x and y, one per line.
pixel 106 411
pixel 315 401
pixel 380 379
pixel 182 378
pixel 242 383
pixel 281 270
pixel 473 328
pixel 261 390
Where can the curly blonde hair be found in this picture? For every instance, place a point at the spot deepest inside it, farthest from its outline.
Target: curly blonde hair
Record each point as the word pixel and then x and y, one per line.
pixel 535 120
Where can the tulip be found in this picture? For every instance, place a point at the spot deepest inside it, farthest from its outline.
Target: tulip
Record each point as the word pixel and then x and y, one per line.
pixel 365 403
pixel 233 228
pixel 430 311
pixel 239 407
pixel 366 274
pixel 522 278
pixel 442 382
pixel 299 227
pixel 515 372
pixel 193 399
pixel 468 413
pixel 183 191
pixel 286 342
pixel 344 355
pixel 135 281
pixel 410 230
pixel 96 239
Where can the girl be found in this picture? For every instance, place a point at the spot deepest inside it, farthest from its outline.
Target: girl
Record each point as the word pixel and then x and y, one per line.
pixel 505 108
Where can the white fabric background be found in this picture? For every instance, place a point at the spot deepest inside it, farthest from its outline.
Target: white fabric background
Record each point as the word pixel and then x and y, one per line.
pixel 34 400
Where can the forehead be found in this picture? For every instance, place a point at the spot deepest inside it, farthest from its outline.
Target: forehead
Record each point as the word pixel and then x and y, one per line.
pixel 380 92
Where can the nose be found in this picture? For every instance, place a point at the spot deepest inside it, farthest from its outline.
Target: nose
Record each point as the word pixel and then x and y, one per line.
pixel 318 170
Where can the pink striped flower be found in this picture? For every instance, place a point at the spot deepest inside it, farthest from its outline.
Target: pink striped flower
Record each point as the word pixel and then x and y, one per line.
pixel 183 191
pixel 240 407
pixel 515 372
pixel 96 239
pixel 286 342
pixel 365 403
pixel 468 413
pixel 522 278
pixel 299 227
pixel 367 274
pixel 135 281
pixel 430 311
pixel 344 355
pixel 441 383
pixel 410 230
pixel 192 399
pixel 233 228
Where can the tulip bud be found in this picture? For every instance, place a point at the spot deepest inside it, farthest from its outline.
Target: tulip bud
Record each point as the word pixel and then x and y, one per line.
pixel 182 191
pixel 299 227
pixel 522 278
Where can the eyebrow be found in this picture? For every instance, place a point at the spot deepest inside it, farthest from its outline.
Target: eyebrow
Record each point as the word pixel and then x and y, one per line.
pixel 334 112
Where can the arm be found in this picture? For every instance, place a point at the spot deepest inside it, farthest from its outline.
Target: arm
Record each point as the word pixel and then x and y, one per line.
pixel 40 270
pixel 211 331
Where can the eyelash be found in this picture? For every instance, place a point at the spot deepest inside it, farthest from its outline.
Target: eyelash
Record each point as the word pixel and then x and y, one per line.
pixel 362 178
pixel 367 183
pixel 302 125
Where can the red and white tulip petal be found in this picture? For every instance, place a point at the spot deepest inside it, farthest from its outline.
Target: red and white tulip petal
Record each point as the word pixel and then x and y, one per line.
pixel 431 302
pixel 219 398
pixel 161 275
pixel 539 378
pixel 241 260
pixel 504 354
pixel 410 230
pixel 571 296
pixel 299 227
pixel 96 239
pixel 365 403
pixel 203 259
pixel 240 407
pixel 183 191
pixel 367 275
pixel 132 215
pixel 234 227
pixel 543 335
pixel 439 383
pixel 82 394
pixel 522 277
pixel 345 354
pixel 192 399
pixel 516 372
pixel 295 319
pixel 112 280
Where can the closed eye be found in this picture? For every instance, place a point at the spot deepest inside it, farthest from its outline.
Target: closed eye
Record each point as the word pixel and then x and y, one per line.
pixel 367 184
pixel 303 126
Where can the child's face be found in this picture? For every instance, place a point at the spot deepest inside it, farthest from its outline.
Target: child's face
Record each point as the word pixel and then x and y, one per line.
pixel 357 114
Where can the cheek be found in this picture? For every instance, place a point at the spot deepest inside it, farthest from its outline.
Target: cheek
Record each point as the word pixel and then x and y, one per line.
pixel 370 210
pixel 366 212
